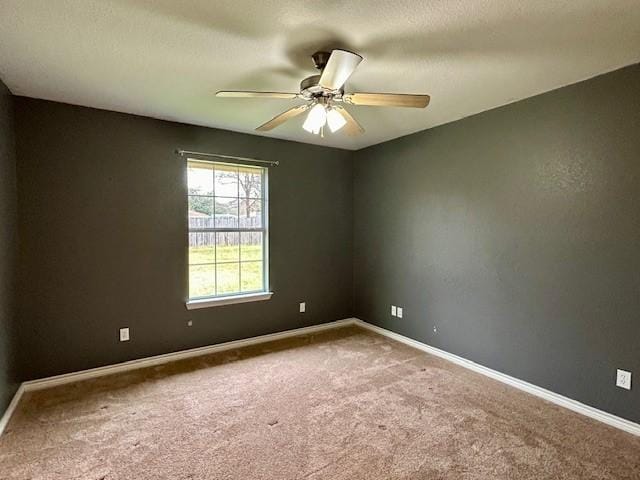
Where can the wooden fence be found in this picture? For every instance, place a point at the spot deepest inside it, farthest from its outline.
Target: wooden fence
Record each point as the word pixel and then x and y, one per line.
pixel 202 239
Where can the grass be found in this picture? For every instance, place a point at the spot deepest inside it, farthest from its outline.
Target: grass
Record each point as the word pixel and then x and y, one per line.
pixel 228 277
pixel 226 253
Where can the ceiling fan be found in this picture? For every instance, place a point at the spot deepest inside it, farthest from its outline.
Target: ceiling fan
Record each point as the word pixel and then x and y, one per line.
pixel 325 92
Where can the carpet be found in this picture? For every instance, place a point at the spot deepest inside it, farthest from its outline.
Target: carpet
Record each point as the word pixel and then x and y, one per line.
pixel 342 404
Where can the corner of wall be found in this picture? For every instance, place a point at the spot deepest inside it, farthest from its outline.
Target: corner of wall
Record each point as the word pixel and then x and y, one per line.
pixel 8 249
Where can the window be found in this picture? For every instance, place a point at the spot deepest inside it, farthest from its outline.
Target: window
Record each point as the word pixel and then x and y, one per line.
pixel 227 233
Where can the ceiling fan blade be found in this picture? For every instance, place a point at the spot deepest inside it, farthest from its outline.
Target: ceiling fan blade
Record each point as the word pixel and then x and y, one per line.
pixel 283 117
pixel 250 94
pixel 338 69
pixel 387 99
pixel 352 127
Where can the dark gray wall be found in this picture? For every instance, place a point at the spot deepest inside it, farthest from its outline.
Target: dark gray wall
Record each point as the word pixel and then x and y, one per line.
pixel 103 217
pixel 516 233
pixel 8 249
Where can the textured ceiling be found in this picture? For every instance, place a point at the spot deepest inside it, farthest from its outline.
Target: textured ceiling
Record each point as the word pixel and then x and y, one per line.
pixel 167 58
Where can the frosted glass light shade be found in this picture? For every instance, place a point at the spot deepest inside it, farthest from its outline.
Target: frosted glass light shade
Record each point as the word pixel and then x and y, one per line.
pixel 335 120
pixel 316 119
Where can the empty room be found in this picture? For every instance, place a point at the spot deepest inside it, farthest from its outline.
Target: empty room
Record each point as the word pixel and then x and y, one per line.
pixel 327 240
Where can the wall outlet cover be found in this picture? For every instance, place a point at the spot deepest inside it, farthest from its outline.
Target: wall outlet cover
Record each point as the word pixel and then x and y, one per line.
pixel 124 334
pixel 399 312
pixel 393 310
pixel 623 379
pixel 303 307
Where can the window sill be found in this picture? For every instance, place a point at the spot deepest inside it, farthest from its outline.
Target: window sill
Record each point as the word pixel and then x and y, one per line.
pixel 219 301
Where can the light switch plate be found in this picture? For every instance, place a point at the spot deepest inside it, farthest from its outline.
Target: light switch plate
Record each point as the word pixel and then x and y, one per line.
pixel 393 310
pixel 124 334
pixel 303 307
pixel 399 312
pixel 623 379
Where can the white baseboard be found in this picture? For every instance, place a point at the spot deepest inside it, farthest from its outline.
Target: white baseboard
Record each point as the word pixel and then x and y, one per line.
pixel 548 395
pixel 159 360
pixel 11 408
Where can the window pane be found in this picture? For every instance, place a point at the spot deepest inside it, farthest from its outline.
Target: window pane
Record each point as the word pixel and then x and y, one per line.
pixel 251 246
pixel 250 180
pixel 228 198
pixel 250 213
pixel 226 181
pixel 227 247
pixel 228 277
pixel 226 212
pixel 251 274
pixel 200 178
pixel 202 281
pixel 200 212
pixel 202 248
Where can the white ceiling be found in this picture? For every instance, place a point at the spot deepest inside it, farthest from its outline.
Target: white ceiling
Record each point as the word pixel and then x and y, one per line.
pixel 167 58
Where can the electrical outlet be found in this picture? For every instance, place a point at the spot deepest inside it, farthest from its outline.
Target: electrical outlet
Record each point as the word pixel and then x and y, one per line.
pixel 190 323
pixel 399 311
pixel 393 310
pixel 435 329
pixel 303 307
pixel 623 379
pixel 124 334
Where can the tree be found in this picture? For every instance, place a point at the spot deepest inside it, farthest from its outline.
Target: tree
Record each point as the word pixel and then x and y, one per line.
pixel 250 186
pixel 200 204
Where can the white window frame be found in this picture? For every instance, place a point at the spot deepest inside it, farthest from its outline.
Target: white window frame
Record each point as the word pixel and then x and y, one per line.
pixel 236 297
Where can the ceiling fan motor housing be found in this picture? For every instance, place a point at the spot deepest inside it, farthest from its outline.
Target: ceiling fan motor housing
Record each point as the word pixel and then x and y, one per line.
pixel 320 59
pixel 310 88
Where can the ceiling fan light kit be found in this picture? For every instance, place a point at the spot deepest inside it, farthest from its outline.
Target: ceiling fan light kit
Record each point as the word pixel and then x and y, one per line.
pixel 321 114
pixel 316 119
pixel 323 91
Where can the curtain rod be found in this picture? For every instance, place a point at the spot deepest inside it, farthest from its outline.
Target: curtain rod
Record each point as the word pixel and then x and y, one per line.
pixel 272 163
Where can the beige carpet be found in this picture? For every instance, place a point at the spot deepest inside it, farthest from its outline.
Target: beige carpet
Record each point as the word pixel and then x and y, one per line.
pixel 345 404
